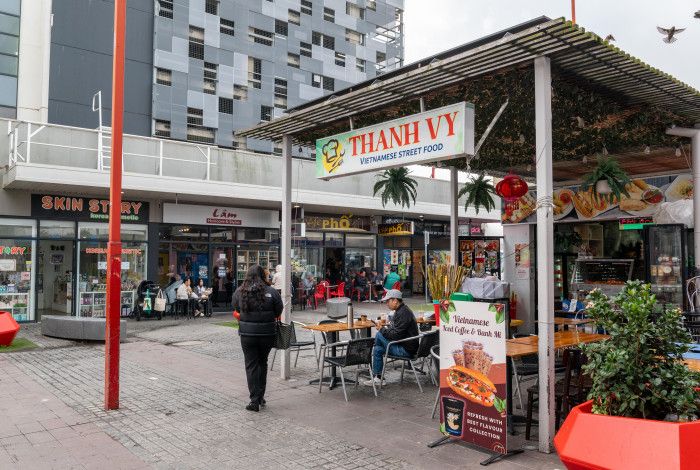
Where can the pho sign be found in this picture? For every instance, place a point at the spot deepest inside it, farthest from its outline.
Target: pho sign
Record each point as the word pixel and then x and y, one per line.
pixel 438 134
pixel 394 230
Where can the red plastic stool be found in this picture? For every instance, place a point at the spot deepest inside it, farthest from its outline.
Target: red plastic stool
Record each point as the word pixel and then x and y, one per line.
pixel 8 328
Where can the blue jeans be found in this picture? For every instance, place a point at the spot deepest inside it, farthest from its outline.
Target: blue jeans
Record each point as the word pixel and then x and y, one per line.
pixel 380 343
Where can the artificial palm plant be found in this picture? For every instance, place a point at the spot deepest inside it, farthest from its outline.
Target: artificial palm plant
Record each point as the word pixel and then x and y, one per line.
pixel 397 186
pixel 608 180
pixel 479 193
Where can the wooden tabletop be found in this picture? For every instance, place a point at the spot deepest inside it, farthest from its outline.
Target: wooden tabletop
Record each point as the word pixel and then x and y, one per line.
pixel 572 321
pixel 527 345
pixel 693 364
pixel 357 325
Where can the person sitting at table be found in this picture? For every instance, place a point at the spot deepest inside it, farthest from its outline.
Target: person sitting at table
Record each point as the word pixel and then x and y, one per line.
pixel 184 292
pixel 391 279
pixel 309 283
pixel 362 284
pixel 403 325
pixel 203 293
pixel 377 281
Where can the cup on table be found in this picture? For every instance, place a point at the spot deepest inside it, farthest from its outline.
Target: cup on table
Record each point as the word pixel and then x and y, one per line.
pixel 420 317
pixel 363 318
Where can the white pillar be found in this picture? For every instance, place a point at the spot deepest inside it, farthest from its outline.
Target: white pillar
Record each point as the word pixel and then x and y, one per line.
pixel 286 242
pixel 545 250
pixel 454 208
pixel 694 134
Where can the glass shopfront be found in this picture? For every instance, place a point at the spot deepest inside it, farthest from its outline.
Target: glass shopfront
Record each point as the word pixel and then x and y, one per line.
pixel 17 261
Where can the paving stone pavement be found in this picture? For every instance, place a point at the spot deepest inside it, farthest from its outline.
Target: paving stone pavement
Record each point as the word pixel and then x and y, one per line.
pixel 182 407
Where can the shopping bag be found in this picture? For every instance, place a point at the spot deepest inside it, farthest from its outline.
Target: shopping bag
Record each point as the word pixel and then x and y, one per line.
pixel 283 335
pixel 159 304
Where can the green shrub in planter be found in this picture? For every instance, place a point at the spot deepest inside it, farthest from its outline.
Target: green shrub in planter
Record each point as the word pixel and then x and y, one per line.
pixel 639 371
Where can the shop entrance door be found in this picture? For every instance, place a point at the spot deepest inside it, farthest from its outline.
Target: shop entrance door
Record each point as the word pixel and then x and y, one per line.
pixel 55 277
pixel 222 275
pixel 335 265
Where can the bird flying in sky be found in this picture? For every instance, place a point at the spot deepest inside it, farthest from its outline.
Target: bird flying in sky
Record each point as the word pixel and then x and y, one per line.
pixel 670 33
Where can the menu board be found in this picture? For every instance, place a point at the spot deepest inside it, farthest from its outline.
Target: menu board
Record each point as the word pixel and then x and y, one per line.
pixel 473 387
pixel 575 203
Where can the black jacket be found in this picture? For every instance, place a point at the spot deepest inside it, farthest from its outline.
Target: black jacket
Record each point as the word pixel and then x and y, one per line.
pixel 259 322
pixel 403 326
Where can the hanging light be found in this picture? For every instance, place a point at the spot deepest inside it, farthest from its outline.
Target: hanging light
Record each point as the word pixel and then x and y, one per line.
pixel 678 151
pixel 529 167
pixel 647 150
pixel 605 150
pixel 584 159
pixel 521 138
pixel 511 187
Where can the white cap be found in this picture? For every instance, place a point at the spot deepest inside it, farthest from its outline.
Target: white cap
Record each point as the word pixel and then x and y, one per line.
pixel 392 294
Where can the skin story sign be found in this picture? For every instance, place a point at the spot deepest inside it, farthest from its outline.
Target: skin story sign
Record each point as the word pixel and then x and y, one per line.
pixel 438 134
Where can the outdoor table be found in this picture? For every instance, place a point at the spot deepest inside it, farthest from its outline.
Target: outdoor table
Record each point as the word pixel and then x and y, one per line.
pixel 332 330
pixel 693 364
pixel 526 346
pixel 566 322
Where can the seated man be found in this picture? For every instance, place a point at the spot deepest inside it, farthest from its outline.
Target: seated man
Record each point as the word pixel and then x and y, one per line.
pixel 403 325
pixel 361 284
pixel 377 283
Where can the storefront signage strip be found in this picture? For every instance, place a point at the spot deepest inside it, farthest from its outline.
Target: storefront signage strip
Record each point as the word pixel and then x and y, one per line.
pixel 85 209
pixel 343 223
pixel 218 215
pixel 398 229
pixel 438 134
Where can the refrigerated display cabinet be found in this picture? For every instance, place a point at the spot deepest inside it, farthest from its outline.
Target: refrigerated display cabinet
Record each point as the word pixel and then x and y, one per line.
pixel 666 263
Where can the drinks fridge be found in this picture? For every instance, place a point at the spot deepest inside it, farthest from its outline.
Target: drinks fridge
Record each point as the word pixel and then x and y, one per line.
pixel 666 262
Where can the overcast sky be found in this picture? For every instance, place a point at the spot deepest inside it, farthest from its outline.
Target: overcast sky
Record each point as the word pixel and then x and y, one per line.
pixel 432 26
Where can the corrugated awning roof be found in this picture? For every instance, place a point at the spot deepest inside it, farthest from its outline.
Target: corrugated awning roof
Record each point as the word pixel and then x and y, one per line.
pixel 572 49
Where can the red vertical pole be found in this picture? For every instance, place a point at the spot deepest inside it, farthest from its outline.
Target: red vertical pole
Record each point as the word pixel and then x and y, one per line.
pixel 114 249
pixel 573 11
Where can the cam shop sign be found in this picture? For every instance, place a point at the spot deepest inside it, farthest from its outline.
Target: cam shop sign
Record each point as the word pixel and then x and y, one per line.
pixel 438 134
pixel 219 215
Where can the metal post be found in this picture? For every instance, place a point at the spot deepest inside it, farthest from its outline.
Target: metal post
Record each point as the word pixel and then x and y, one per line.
pixel 29 141
pixel 454 208
pixel 160 158
pixel 286 239
pixel 426 242
pixel 97 106
pixel 208 163
pixel 114 248
pixel 545 250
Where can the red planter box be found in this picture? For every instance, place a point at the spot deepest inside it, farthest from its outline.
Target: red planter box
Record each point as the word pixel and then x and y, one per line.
pixel 591 441
pixel 8 328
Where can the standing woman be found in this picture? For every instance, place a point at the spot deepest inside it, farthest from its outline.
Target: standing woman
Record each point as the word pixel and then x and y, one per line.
pixel 259 306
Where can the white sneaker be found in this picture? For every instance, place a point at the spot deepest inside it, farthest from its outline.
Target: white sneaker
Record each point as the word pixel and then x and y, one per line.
pixel 374 380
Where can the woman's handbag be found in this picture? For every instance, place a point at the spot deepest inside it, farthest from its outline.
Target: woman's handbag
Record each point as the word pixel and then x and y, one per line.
pixel 159 304
pixel 283 335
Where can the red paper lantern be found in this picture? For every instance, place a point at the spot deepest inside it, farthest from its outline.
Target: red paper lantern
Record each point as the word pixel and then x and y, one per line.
pixel 511 187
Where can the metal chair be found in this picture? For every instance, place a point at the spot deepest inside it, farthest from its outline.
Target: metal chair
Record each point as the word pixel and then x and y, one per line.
pixel 299 345
pixel 435 356
pixel 692 287
pixel 357 352
pixel 425 342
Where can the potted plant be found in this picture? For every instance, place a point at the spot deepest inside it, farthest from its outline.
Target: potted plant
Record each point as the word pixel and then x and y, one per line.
pixel 607 179
pixel 643 406
pixel 396 185
pixel 479 193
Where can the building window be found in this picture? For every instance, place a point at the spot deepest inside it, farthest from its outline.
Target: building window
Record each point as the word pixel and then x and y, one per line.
pixel 372 5
pixel 360 64
pixel 239 143
pixel 307 7
pixel 254 73
pixel 211 7
pixel 281 28
pixel 9 57
pixel 225 105
pixel 240 92
pixel 316 80
pixel 354 37
pixel 265 113
pixel 328 83
pixel 320 39
pixel 305 49
pixel 329 14
pixel 165 8
pixel 260 36
pixel 280 93
pixel 277 150
pixel 162 128
pixel 381 58
pixel 195 116
pixel 294 17
pixel 340 59
pixel 205 135
pixel 293 60
pixel 355 11
pixel 163 76
pixel 196 43
pixel 210 72
pixel 226 27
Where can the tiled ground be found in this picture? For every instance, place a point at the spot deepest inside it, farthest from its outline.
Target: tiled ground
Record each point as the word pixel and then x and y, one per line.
pixel 182 407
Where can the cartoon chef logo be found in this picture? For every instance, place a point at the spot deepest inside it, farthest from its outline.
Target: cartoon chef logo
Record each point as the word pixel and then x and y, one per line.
pixel 333 154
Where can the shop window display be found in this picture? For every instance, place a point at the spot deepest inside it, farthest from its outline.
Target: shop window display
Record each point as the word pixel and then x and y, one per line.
pixel 16 278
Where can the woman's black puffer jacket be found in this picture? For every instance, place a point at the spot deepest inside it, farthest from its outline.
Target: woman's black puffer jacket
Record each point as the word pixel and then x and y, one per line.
pixel 260 321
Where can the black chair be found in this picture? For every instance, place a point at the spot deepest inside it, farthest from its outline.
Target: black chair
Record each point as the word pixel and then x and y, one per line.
pixel 425 342
pixel 298 345
pixel 182 307
pixel 357 352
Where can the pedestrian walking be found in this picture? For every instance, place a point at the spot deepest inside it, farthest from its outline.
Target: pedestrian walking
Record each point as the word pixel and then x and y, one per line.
pixel 259 306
